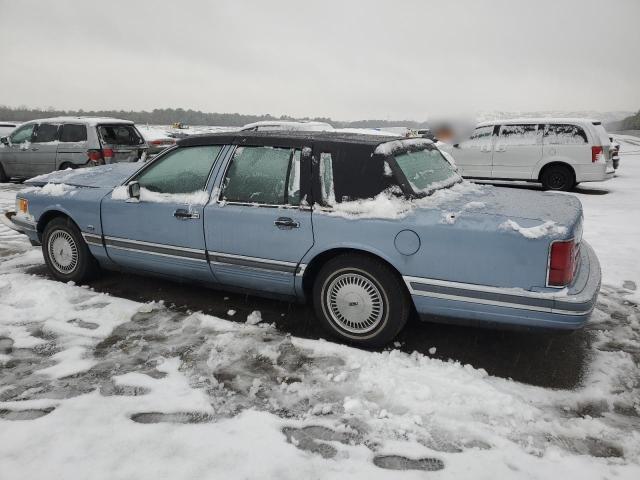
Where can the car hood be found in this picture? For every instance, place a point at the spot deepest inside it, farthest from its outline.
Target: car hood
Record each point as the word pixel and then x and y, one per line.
pixel 103 176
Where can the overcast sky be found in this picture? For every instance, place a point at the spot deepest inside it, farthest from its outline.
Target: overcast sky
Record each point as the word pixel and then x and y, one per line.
pixel 344 59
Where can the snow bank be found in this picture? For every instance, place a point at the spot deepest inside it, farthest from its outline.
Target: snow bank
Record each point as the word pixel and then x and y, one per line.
pixel 52 189
pixel 548 228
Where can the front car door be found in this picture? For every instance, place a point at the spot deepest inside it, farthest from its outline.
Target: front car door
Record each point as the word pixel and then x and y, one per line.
pixel 163 231
pixel 259 227
pixel 19 143
pixel 517 150
pixel 473 156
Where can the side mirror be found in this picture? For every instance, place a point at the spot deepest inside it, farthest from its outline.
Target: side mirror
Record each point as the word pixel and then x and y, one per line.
pixel 134 190
pixel 4 140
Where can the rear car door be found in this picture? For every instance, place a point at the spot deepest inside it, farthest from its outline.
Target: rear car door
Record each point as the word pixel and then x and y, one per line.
pixel 517 150
pixel 473 156
pixel 72 147
pixel 41 157
pixel 259 227
pixel 163 231
pixel 121 142
pixel 11 155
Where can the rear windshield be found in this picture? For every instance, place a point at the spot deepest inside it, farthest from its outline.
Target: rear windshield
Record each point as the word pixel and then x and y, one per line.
pixel 427 170
pixel 119 135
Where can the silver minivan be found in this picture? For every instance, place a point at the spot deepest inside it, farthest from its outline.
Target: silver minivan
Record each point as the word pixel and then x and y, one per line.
pixel 42 146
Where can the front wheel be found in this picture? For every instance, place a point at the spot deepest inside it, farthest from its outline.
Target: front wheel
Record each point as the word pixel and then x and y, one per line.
pixel 558 177
pixel 66 253
pixel 360 300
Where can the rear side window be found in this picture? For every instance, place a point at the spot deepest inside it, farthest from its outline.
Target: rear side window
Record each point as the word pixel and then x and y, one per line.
pixel 73 133
pixel 352 173
pixel 481 137
pixel 264 175
pixel 46 132
pixel 119 135
pixel 184 170
pixel 564 134
pixel 518 135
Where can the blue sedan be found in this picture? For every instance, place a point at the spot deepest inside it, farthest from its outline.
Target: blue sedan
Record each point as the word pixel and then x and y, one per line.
pixel 367 228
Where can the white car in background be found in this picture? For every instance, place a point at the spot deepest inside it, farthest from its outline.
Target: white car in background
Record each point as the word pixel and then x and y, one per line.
pixel 279 125
pixel 6 128
pixel 557 152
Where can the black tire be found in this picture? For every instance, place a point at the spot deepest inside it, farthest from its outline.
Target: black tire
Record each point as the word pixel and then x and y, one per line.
pixel 3 176
pixel 558 177
pixel 61 233
pixel 377 294
pixel 66 165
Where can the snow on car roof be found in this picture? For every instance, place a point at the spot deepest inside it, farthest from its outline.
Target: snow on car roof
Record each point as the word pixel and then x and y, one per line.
pixel 288 125
pixel 509 121
pixel 92 121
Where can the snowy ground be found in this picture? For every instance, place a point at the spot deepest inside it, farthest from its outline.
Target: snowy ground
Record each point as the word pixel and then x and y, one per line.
pixel 98 386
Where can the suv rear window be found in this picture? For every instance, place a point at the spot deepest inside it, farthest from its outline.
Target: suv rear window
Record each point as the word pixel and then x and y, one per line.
pixel 73 133
pixel 119 135
pixel 564 134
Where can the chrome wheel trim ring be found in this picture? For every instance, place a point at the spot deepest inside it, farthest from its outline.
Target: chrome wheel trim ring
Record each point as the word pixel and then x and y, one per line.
pixel 63 251
pixel 354 302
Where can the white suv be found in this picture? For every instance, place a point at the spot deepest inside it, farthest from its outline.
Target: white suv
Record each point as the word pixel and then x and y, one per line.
pixel 559 153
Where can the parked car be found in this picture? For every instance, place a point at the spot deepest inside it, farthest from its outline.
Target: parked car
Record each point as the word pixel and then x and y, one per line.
pixel 559 153
pixel 366 228
pixel 615 153
pixel 157 139
pixel 42 146
pixel 6 128
pixel 280 125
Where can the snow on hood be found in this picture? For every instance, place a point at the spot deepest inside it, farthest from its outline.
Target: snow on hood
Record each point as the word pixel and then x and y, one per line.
pixel 103 176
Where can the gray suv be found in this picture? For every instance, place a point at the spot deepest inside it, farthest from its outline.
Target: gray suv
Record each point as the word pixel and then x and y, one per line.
pixel 42 146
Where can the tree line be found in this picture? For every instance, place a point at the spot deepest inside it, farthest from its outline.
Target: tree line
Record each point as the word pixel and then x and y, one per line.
pixel 168 116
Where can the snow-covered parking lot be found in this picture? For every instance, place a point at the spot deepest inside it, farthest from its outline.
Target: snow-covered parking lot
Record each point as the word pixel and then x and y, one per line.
pixel 97 385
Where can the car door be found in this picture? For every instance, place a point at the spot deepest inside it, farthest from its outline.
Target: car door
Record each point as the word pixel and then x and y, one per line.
pixel 473 156
pixel 72 148
pixel 19 145
pixel 259 227
pixel 162 232
pixel 41 156
pixel 517 150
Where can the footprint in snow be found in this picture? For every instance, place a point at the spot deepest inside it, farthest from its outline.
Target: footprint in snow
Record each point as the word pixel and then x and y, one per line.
pixel 313 439
pixel 6 345
pixel 82 324
pixel 25 414
pixel 396 462
pixel 178 417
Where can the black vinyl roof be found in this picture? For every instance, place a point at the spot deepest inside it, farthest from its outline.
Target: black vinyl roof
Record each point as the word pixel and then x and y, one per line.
pixel 286 138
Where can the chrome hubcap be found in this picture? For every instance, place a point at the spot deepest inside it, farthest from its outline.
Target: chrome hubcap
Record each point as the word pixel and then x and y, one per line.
pixel 354 303
pixel 63 251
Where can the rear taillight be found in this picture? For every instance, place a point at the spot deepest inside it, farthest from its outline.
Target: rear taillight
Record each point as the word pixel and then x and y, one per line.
pixel 107 154
pixel 95 157
pixel 596 151
pixel 562 263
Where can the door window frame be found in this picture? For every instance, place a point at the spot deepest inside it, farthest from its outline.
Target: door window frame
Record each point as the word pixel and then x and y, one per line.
pixel 305 190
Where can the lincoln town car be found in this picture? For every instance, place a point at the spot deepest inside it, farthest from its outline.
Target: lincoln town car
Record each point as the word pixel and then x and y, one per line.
pixel 368 229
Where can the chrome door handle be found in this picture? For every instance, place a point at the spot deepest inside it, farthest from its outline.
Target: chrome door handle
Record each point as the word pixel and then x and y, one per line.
pixel 286 223
pixel 184 214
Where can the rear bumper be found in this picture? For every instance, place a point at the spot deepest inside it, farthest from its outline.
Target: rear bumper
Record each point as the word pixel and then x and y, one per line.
pixel 567 309
pixel 595 172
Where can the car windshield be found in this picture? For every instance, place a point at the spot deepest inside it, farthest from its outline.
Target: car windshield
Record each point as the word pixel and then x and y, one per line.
pixel 427 170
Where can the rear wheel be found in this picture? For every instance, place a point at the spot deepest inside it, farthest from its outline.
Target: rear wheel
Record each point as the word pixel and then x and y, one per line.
pixel 360 300
pixel 66 253
pixel 66 165
pixel 558 177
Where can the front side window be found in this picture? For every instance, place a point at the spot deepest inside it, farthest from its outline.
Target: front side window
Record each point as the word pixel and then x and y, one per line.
pixel 73 133
pixel 120 135
pixel 23 134
pixel 265 175
pixel 564 134
pixel 426 170
pixel 481 137
pixel 46 132
pixel 518 135
pixel 184 170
